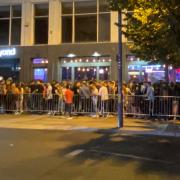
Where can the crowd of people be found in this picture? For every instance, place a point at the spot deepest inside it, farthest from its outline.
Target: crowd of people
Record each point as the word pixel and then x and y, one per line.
pixel 94 97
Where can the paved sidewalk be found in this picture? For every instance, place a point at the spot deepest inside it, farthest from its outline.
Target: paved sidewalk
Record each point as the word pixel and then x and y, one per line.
pixel 84 123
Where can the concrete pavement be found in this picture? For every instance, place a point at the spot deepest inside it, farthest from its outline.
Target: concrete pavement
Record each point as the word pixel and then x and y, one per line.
pixel 84 123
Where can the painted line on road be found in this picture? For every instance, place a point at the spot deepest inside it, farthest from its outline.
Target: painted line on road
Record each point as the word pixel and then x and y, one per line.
pixel 131 156
pixel 75 153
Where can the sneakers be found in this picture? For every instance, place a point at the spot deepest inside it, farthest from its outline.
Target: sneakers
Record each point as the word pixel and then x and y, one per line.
pixel 69 118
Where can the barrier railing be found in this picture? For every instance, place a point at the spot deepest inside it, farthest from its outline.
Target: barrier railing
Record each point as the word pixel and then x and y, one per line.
pixel 134 105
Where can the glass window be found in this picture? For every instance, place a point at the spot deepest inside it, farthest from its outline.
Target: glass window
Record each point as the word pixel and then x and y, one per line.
pixel 4 11
pixel 66 73
pixel 40 74
pixel 85 73
pixel 41 9
pixel 86 7
pixel 16 11
pixel 10 27
pixel 104 27
pixel 41 31
pixel 41 24
pixel 104 73
pixel 67 29
pixel 10 68
pixel 85 28
pixel 4 32
pixel 67 7
pixel 16 31
pixel 103 6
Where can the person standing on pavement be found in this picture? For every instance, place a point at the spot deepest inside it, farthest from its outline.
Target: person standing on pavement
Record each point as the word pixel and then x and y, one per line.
pixel 103 93
pixel 150 98
pixel 69 94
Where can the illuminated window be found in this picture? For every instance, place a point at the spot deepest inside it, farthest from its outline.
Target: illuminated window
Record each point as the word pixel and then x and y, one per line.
pixel 40 74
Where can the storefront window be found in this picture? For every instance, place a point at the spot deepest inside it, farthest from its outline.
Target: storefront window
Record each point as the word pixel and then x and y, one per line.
pixel 66 73
pixel 40 74
pixel 10 68
pixel 41 23
pixel 178 75
pixel 85 68
pixel 85 73
pixel 10 31
pixel 104 73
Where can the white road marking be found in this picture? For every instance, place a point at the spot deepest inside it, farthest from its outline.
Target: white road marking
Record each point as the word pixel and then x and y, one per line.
pixel 131 156
pixel 75 153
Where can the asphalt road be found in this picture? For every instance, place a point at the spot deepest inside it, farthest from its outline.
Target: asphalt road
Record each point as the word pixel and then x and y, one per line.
pixel 75 155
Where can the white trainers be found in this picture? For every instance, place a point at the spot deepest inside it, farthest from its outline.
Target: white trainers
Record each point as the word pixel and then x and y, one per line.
pixel 69 118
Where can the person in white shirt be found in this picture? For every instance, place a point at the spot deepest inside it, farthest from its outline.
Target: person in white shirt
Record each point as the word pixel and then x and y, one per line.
pixel 94 97
pixel 103 93
pixel 49 97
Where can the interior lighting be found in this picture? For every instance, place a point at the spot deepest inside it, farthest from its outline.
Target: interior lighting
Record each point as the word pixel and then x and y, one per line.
pixel 64 61
pixel 79 69
pixel 43 61
pixel 83 69
pixel 101 71
pixel 75 60
pixel 67 68
pixel 71 61
pixel 87 60
pixel 94 69
pixel 45 69
pixel 46 61
pixel 71 55
pixel 94 60
pixel 110 60
pixel 80 60
pixel 103 60
pixel 96 54
pixel 106 69
pixel 88 69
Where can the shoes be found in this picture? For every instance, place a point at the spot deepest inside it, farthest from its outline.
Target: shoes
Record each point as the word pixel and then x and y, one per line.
pixel 69 118
pixel 16 113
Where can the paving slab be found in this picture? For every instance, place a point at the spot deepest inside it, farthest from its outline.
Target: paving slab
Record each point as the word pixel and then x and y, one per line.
pixel 87 123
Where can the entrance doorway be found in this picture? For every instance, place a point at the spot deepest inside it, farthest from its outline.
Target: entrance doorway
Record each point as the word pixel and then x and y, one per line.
pixel 85 68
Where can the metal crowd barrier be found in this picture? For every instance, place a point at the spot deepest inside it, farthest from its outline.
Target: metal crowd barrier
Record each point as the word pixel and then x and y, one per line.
pixel 158 107
pixel 134 105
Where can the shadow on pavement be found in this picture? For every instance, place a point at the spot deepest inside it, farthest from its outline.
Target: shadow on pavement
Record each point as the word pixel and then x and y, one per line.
pixel 153 154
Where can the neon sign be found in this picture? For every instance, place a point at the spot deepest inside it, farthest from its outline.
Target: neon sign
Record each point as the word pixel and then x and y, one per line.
pixel 7 52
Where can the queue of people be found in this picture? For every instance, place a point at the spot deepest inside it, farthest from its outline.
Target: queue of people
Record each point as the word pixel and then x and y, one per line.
pixel 92 97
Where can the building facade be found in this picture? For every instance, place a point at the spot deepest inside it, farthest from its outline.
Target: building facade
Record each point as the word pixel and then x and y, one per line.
pixel 58 40
pixel 61 40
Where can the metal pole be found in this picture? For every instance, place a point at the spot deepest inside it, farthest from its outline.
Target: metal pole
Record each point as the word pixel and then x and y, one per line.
pixel 119 61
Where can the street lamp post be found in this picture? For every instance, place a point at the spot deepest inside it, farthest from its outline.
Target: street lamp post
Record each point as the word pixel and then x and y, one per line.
pixel 119 61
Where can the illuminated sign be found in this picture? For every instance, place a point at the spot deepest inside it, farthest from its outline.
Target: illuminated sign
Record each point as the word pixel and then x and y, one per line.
pixel 7 52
